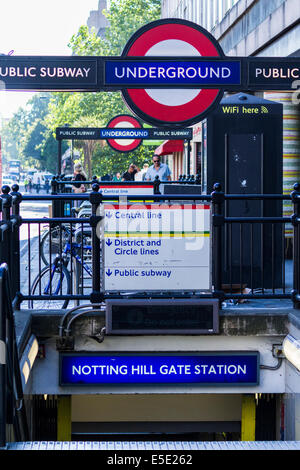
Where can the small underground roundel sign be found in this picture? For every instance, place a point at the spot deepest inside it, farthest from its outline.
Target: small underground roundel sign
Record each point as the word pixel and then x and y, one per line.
pixel 171 106
pixel 125 129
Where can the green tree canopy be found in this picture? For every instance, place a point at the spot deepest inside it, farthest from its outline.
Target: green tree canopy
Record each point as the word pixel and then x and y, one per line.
pixel 125 17
pixel 25 137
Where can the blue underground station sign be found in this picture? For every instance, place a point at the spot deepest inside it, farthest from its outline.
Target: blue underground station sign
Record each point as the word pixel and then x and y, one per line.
pixel 240 368
pixel 172 73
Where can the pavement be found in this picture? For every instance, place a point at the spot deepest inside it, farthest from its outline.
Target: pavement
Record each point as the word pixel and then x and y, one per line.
pixel 29 240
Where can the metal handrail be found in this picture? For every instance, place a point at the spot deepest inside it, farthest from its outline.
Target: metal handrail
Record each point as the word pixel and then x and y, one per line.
pixel 217 199
pixel 11 391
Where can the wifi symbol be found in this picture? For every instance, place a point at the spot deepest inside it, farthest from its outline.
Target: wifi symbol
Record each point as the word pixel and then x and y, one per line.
pixel 264 110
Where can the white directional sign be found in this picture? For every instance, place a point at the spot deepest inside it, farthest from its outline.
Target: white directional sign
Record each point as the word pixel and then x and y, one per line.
pixel 129 189
pixel 157 247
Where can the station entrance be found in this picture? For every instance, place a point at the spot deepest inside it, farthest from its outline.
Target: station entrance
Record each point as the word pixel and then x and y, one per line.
pixel 175 417
pixel 170 410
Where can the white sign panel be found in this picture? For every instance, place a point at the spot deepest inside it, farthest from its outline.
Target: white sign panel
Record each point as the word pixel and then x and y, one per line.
pixel 130 189
pixel 157 247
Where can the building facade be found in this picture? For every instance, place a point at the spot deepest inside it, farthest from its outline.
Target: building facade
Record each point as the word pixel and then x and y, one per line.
pixel 97 20
pixel 257 28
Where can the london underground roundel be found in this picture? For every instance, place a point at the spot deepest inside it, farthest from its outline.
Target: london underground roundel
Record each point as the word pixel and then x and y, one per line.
pixel 124 121
pixel 172 107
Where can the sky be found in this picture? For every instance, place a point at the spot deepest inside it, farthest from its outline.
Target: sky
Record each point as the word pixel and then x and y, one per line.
pixel 38 27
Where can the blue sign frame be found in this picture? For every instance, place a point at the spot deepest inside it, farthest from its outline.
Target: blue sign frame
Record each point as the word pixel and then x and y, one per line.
pixel 159 72
pixel 234 368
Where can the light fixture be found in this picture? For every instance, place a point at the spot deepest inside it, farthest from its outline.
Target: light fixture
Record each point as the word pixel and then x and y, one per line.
pixel 2 352
pixel 28 358
pixel 291 349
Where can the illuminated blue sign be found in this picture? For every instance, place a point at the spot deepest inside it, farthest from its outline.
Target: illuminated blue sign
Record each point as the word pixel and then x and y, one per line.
pixel 175 72
pixel 162 368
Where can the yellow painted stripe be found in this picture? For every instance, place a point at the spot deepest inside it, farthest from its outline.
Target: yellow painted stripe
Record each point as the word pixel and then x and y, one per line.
pixel 64 422
pixel 248 418
pixel 155 235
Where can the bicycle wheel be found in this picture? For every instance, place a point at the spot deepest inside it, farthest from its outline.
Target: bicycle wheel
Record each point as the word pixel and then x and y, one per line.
pixel 59 237
pixel 52 281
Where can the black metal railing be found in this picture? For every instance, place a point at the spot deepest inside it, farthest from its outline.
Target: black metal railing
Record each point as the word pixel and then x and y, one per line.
pixel 249 259
pixel 12 407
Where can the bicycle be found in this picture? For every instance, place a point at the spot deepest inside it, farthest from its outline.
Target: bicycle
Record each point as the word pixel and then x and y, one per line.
pixel 51 242
pixel 53 238
pixel 55 280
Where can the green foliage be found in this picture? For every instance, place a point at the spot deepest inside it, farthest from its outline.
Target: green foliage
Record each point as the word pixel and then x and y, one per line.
pixel 30 134
pixel 125 17
pixel 25 135
pixel 107 160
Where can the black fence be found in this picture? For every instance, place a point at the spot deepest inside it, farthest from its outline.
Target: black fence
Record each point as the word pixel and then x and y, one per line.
pixel 57 258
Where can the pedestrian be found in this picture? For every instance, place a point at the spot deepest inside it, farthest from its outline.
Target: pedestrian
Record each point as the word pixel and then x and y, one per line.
pixel 130 173
pixel 29 185
pixel 140 176
pixel 117 177
pixel 79 175
pixel 26 184
pixel 106 177
pixel 38 185
pixel 47 186
pixel 158 169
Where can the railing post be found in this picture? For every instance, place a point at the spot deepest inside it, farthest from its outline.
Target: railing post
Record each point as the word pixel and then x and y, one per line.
pixel 3 375
pixel 95 199
pixel 57 204
pixel 6 239
pixel 156 185
pixel 295 196
pixel 217 224
pixel 16 222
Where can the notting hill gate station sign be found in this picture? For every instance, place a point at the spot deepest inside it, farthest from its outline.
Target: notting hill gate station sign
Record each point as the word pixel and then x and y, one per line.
pixel 172 73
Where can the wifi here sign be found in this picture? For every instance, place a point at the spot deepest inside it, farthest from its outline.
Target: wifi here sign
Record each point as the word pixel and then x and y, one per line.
pixel 245 110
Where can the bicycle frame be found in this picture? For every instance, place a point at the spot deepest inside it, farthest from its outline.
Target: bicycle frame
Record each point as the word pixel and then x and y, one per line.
pixel 73 253
pixel 69 249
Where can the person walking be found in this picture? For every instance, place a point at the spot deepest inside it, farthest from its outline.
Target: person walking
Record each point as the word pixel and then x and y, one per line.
pixel 79 175
pixel 29 185
pixel 38 186
pixel 130 173
pixel 158 169
pixel 47 186
pixel 117 177
pixel 140 176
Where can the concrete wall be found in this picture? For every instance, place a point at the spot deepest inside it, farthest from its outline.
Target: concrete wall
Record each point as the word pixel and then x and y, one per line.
pixel 156 408
pixel 250 27
pixel 45 372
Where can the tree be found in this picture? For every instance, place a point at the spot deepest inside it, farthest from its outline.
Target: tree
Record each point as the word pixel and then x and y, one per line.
pixel 26 136
pixel 88 146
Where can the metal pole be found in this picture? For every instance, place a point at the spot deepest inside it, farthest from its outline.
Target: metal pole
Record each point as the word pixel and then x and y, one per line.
pixel 95 200
pixel 59 157
pixel 16 222
pixel 217 224
pixel 188 157
pixel 2 361
pixel 6 240
pixel 295 196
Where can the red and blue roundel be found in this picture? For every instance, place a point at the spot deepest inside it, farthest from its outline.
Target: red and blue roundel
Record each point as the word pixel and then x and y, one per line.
pixel 172 107
pixel 124 121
